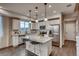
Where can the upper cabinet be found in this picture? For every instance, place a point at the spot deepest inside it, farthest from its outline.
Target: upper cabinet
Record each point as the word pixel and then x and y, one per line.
pixel 15 24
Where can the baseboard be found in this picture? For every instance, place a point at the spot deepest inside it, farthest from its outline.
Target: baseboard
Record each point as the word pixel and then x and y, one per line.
pixel 55 44
pixel 70 41
pixel 6 47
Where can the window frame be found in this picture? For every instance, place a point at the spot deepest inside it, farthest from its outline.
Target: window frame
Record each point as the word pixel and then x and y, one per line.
pixel 24 29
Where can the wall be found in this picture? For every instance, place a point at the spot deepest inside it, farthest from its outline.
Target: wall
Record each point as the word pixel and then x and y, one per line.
pixel 5 39
pixel 7 28
pixel 1 30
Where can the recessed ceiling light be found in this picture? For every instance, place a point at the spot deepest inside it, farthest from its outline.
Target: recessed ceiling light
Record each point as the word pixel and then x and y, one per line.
pixel 54 11
pixel 50 6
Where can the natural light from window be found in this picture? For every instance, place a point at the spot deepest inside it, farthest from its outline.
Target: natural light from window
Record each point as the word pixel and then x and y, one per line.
pixel 1 27
pixel 24 25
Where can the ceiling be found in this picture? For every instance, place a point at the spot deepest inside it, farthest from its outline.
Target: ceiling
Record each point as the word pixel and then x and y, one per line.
pixel 23 8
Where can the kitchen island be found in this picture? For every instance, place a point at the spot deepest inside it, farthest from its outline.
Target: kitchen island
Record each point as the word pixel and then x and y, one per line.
pixel 39 45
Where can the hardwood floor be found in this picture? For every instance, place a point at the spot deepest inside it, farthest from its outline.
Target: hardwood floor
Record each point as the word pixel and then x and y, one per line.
pixel 69 49
pixel 57 44
pixel 18 51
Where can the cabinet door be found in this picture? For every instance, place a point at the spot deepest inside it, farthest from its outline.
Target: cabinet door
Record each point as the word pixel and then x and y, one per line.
pixel 20 40
pixel 15 24
pixel 44 49
pixel 29 46
pixel 15 40
pixel 49 47
pixel 77 51
pixel 77 41
pixel 37 49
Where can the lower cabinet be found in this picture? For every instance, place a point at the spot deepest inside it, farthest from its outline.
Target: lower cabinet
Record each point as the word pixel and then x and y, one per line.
pixel 77 45
pixel 20 40
pixel 15 40
pixel 77 51
pixel 39 49
pixel 29 46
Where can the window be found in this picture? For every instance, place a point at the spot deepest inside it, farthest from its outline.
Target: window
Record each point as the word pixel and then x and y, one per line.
pixel 1 27
pixel 24 25
pixel 21 24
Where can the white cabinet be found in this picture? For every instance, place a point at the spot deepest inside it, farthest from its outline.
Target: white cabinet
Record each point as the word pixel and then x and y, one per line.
pixel 77 51
pixel 77 41
pixel 15 40
pixel 77 45
pixel 37 49
pixel 29 46
pixel 15 24
pixel 20 40
pixel 42 49
pixel 33 25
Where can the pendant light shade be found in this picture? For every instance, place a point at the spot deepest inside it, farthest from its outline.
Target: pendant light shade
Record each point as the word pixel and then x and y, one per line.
pixel 45 19
pixel 36 15
pixel 30 16
pixel 36 21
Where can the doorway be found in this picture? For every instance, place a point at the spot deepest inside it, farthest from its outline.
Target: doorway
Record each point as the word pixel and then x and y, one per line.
pixel 70 30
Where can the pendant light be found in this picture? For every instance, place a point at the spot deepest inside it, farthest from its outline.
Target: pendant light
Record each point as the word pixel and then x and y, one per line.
pixel 45 4
pixel 30 16
pixel 36 15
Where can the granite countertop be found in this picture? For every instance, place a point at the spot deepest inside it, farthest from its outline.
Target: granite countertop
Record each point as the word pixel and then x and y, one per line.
pixel 38 38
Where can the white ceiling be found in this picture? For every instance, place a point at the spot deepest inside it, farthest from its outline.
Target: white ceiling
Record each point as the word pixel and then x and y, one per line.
pixel 23 8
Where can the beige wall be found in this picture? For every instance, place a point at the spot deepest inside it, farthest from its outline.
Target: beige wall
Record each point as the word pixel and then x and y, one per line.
pixel 6 31
pixel 4 42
